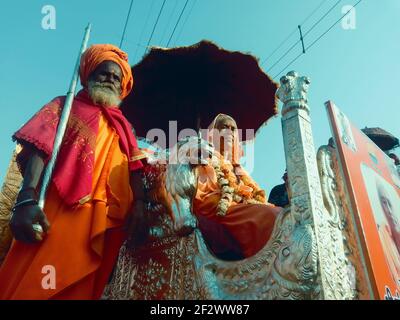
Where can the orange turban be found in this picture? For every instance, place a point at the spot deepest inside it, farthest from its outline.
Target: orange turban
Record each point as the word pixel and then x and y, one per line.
pixel 98 53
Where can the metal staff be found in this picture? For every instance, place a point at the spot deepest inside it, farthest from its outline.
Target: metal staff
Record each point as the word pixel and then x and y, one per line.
pixel 63 122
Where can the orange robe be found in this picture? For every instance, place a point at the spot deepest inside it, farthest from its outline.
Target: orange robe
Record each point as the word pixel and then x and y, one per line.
pixel 250 225
pixel 83 242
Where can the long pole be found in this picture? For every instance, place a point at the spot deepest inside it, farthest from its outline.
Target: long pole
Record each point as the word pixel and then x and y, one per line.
pixel 63 121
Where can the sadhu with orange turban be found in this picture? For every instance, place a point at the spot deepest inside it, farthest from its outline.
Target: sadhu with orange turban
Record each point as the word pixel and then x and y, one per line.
pixel 95 185
pixel 97 54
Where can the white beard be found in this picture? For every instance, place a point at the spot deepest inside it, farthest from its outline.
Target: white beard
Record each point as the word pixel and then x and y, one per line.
pixel 103 95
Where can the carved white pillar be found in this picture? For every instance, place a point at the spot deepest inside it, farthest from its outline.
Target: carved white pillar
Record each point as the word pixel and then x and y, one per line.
pixel 307 205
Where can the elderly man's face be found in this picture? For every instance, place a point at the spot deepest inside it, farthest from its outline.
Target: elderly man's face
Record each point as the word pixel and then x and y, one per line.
pixel 227 128
pixel 104 84
pixel 387 208
pixel 109 73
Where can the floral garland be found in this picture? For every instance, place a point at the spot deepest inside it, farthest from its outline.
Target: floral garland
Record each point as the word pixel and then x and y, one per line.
pixel 243 191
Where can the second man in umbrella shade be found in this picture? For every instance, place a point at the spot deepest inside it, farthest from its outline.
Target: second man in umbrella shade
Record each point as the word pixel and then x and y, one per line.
pixel 229 196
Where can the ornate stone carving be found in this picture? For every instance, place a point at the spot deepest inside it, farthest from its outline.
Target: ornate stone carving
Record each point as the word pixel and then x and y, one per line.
pixel 342 271
pixel 347 256
pixel 293 92
pixel 328 185
pixel 181 182
pixel 306 199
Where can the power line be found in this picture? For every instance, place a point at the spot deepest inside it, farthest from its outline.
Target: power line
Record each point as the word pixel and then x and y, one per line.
pixel 280 46
pixel 169 21
pixel 284 55
pixel 322 18
pixel 126 24
pixel 288 65
pixel 298 41
pixel 308 31
pixel 294 31
pixel 177 22
pixel 312 13
pixel 316 40
pixel 144 27
pixel 155 24
pixel 329 29
pixel 184 23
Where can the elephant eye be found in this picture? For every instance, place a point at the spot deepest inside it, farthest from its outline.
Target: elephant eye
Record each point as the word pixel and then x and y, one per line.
pixel 286 252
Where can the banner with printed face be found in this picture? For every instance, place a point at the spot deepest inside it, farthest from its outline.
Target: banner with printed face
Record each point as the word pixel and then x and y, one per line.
pixel 373 185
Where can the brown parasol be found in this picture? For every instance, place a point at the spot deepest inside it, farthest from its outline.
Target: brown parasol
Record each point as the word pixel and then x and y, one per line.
pixel 193 84
pixel 383 139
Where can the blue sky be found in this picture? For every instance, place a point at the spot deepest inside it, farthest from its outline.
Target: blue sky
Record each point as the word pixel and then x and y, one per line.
pixel 358 69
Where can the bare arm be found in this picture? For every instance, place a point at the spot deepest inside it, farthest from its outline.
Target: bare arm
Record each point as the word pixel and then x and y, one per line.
pixel 32 175
pixel 26 211
pixel 138 224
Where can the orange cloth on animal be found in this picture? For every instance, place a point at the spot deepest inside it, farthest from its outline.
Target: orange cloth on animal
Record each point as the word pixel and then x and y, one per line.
pixel 250 225
pixel 83 242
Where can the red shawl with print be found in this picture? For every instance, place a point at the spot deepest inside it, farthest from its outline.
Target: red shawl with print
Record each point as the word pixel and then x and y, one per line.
pixel 72 174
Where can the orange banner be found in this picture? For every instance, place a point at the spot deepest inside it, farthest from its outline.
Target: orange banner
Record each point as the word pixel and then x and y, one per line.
pixel 373 185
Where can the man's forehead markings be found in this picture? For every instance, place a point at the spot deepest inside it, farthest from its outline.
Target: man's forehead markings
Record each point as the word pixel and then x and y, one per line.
pixel 111 65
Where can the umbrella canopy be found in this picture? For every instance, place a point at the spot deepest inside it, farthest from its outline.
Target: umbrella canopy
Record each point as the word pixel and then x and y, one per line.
pixel 383 139
pixel 193 84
